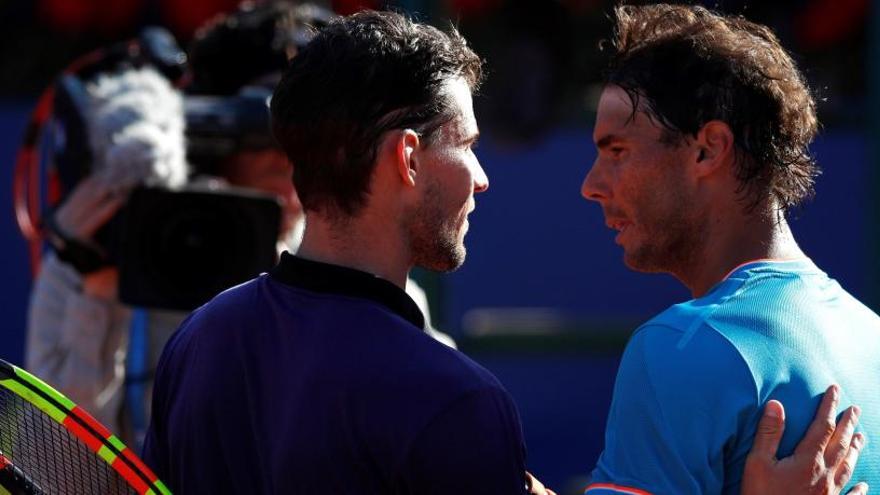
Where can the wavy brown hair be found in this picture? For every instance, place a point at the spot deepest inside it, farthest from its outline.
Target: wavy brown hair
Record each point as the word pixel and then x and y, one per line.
pixel 689 66
pixel 362 76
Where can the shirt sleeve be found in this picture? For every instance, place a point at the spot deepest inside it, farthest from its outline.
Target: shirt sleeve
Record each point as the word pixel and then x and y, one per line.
pixel 473 447
pixel 679 402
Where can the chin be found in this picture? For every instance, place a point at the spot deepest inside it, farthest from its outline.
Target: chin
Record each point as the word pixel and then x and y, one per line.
pixel 453 261
pixel 643 262
pixel 444 261
pixel 631 264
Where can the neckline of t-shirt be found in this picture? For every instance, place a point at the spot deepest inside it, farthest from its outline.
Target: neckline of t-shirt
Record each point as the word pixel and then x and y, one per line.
pixel 803 261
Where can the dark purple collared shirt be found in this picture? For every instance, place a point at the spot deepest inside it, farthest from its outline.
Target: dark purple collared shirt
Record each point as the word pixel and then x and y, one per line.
pixel 318 379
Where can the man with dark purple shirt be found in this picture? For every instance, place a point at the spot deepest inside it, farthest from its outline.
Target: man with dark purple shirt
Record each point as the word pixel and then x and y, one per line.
pixel 319 377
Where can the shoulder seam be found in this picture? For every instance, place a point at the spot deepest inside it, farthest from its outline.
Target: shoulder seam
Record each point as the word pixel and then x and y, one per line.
pixel 705 313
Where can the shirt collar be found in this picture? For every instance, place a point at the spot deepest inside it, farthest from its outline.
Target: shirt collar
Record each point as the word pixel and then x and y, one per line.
pixel 335 279
pixel 784 264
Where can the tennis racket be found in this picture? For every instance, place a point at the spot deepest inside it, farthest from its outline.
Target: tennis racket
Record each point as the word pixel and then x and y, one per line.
pixel 48 445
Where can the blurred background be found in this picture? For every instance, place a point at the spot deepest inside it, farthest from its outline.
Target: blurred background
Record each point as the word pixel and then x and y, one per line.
pixel 544 300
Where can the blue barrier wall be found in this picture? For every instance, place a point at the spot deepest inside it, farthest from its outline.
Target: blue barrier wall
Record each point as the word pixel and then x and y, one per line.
pixel 15 278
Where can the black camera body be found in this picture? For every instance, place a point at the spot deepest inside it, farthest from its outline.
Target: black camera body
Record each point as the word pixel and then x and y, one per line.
pixel 217 126
pixel 177 249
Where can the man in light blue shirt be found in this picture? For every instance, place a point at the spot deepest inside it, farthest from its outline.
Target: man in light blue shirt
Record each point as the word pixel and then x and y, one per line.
pixel 702 134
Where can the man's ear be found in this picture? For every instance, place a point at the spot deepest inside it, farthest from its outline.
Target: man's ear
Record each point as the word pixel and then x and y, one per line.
pixel 714 147
pixel 406 146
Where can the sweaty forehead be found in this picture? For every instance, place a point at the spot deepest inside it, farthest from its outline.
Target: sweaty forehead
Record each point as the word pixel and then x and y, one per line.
pixel 615 115
pixel 464 123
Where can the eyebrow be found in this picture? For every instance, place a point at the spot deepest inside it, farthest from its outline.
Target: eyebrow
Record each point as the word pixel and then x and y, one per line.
pixel 473 138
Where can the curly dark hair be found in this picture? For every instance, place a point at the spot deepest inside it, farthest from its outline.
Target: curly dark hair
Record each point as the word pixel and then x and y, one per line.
pixel 690 65
pixel 361 76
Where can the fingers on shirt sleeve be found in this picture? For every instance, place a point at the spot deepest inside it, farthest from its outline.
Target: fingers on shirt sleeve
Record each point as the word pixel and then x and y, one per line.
pixel 675 411
pixel 475 446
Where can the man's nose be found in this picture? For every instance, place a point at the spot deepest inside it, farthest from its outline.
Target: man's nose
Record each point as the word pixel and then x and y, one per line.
pixel 594 187
pixel 481 180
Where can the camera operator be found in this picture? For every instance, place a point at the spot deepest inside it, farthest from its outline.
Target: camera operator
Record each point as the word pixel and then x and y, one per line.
pixel 77 329
pixel 80 335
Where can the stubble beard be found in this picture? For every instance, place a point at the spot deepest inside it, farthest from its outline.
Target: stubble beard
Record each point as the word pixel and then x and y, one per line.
pixel 435 234
pixel 673 239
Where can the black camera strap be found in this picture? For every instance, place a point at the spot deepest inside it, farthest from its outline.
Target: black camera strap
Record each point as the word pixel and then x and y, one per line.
pixel 83 256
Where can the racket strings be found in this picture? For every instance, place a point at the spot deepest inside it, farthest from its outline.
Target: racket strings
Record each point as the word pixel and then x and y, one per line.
pixel 53 460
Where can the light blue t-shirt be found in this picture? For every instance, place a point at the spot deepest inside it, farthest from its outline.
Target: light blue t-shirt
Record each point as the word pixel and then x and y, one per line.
pixel 693 381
